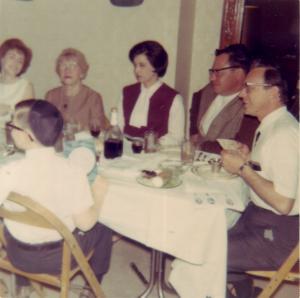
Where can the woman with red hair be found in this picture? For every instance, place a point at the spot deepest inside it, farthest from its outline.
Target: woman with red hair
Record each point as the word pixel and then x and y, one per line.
pixel 15 58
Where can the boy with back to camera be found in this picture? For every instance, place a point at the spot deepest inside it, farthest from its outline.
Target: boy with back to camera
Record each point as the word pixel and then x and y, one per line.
pixel 58 185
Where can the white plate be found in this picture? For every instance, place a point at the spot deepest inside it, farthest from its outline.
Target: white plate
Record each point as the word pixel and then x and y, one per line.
pixel 204 171
pixel 147 182
pixel 84 158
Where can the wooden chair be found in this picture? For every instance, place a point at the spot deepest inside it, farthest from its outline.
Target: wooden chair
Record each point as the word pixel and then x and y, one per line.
pixel 289 271
pixel 37 215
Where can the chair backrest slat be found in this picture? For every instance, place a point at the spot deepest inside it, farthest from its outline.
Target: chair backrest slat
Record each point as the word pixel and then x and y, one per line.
pixel 25 217
pixel 37 215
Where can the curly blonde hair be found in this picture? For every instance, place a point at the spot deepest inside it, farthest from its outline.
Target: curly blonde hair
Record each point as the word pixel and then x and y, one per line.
pixel 71 53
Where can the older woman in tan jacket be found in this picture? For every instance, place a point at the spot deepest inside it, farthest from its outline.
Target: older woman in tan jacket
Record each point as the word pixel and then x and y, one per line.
pixel 77 102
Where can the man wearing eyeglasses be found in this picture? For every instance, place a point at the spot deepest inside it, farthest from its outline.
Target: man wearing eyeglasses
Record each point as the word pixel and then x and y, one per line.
pixel 268 229
pixel 216 110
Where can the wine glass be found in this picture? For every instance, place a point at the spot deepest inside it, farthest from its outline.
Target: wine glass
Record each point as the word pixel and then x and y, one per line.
pixel 137 146
pixel 95 128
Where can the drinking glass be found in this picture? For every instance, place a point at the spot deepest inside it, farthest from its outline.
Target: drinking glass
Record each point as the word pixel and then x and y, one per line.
pixel 95 128
pixel 70 129
pixel 187 152
pixel 137 146
pixel 151 142
pixel 215 164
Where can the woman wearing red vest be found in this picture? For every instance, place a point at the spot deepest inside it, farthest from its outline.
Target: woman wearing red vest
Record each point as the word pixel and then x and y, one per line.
pixel 150 104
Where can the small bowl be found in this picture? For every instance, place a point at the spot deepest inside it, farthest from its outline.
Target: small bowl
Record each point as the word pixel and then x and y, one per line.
pixel 216 165
pixel 176 166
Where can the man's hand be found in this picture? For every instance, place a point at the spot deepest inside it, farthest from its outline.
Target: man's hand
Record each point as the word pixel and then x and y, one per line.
pixel 243 150
pixel 232 160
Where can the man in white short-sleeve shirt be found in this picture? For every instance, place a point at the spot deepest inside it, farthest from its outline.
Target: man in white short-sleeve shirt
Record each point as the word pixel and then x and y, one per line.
pixel 270 222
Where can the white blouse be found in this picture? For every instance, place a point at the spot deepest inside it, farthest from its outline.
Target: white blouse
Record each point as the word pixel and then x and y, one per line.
pixel 139 115
pixel 10 94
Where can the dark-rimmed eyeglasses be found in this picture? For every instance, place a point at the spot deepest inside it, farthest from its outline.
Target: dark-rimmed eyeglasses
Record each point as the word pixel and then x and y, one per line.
pixel 249 86
pixel 217 70
pixel 11 126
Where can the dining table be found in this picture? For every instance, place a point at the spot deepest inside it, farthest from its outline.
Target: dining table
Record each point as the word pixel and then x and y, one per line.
pixel 187 219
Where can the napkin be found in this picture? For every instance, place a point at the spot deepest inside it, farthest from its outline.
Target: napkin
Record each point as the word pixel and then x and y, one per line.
pixel 228 144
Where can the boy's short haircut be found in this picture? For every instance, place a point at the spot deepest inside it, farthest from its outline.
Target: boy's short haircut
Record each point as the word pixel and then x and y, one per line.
pixel 26 103
pixel 22 109
pixel 45 122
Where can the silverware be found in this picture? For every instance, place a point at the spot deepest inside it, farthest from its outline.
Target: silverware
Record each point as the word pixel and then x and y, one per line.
pixel 149 174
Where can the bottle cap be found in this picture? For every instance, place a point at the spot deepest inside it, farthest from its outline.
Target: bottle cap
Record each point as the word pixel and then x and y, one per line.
pixel 114 116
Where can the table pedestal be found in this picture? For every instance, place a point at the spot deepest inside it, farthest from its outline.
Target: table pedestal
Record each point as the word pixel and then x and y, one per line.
pixel 157 276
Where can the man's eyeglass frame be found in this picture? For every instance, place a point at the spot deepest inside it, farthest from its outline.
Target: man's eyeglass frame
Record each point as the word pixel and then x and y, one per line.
pixel 12 126
pixel 250 84
pixel 217 70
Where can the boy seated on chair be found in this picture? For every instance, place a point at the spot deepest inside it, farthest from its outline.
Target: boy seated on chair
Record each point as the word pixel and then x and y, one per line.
pixel 59 186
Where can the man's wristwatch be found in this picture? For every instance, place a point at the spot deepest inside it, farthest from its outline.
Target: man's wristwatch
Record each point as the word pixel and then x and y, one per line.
pixel 241 168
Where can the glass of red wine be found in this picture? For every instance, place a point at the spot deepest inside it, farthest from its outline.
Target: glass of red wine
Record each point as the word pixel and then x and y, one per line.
pixel 137 146
pixel 95 129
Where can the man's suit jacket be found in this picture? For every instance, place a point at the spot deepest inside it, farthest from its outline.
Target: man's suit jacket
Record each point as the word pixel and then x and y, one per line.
pixel 225 125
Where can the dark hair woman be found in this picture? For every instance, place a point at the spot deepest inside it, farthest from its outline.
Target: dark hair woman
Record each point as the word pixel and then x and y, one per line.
pixel 150 104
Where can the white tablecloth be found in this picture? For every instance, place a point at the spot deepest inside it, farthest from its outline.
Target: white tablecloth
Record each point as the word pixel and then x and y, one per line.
pixel 188 222
pixel 181 221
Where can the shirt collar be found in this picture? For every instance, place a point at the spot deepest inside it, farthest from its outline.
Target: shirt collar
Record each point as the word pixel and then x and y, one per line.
pixel 228 98
pixel 270 118
pixel 152 88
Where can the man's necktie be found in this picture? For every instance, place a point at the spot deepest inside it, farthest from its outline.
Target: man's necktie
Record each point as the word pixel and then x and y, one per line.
pixel 257 137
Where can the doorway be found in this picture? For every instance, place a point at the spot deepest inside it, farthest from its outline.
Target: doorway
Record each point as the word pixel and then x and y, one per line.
pixel 271 28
